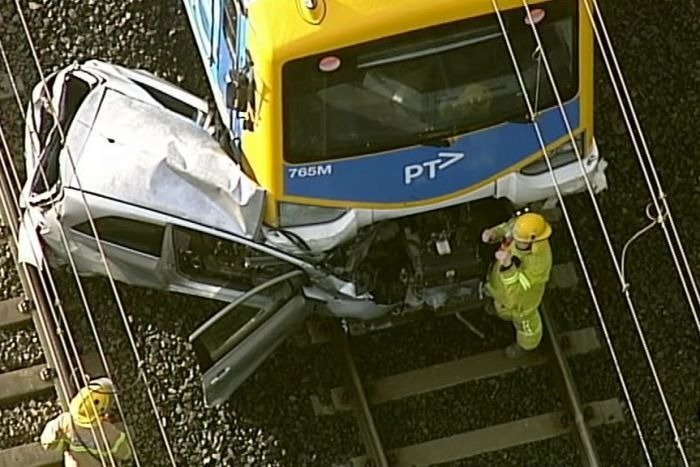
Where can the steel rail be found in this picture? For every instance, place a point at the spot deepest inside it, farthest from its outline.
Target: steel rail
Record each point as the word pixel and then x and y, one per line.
pixel 44 323
pixel 358 399
pixel 572 397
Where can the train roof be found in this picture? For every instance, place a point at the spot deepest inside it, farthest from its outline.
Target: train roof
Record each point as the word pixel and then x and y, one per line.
pixel 283 31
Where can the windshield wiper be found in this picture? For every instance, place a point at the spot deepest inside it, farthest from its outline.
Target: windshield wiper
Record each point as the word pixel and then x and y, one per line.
pixel 537 58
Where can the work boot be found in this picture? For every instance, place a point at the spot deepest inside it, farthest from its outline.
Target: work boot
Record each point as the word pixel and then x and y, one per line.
pixel 515 351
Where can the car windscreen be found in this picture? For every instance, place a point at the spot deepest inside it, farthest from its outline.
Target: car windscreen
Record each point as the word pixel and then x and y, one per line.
pixel 73 93
pixel 425 85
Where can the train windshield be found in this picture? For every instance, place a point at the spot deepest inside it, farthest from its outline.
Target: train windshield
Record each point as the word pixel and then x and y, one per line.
pixel 425 86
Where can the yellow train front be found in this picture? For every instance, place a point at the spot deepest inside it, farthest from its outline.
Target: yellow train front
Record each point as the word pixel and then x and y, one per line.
pixel 349 112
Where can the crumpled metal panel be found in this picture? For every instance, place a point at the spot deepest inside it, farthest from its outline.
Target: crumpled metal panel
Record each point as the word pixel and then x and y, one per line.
pixel 150 157
pixel 28 245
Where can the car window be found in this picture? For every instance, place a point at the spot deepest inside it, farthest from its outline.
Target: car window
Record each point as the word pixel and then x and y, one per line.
pixel 230 25
pixel 235 322
pixel 73 93
pixel 202 257
pixel 136 235
pixel 168 101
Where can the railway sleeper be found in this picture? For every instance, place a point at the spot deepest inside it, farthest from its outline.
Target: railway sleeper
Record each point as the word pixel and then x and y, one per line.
pixel 447 374
pixel 497 437
pixel 30 455
pixel 13 313
pixel 30 382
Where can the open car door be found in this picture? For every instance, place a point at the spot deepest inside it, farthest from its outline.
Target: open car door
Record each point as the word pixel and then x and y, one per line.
pixel 238 339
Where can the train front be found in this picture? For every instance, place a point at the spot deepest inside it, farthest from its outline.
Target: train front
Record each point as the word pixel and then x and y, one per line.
pixel 390 110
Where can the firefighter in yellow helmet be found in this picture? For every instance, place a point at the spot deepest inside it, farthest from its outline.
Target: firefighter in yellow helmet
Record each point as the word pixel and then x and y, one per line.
pixel 84 434
pixel 517 279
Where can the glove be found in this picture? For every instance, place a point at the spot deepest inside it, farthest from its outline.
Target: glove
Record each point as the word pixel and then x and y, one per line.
pixel 487 236
pixel 504 257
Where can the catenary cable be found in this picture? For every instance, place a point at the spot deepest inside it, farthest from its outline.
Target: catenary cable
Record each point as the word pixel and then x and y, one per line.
pixel 120 307
pixel 657 193
pixel 572 232
pixel 632 309
pixel 76 276
pixel 15 237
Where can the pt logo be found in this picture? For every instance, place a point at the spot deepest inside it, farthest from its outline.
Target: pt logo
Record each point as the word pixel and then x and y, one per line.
pixel 430 168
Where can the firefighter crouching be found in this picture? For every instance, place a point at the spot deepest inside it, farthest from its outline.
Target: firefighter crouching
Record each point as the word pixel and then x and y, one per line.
pixel 517 279
pixel 78 435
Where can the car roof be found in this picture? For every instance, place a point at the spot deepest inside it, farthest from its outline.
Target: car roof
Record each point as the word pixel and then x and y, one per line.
pixel 146 155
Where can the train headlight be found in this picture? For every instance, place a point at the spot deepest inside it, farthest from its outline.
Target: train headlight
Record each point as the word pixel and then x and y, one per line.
pixel 293 215
pixel 565 154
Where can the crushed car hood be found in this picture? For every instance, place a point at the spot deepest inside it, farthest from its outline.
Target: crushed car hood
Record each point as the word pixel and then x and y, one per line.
pixel 141 154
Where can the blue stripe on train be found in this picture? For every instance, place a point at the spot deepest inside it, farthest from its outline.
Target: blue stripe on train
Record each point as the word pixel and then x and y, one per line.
pixel 422 173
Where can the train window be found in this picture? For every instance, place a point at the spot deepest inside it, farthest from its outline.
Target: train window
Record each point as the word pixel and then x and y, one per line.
pixel 206 258
pixel 414 87
pixel 230 26
pixel 136 235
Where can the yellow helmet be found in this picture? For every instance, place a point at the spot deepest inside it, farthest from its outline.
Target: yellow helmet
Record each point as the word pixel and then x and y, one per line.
pixel 531 227
pixel 92 402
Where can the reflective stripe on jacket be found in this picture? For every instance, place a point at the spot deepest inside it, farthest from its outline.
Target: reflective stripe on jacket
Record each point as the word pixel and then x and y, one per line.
pixel 80 447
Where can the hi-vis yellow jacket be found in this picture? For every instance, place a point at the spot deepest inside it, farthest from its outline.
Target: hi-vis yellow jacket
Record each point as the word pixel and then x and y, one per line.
pixel 520 287
pixel 80 447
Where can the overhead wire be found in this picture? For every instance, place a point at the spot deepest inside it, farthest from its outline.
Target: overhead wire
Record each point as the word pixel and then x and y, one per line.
pixel 139 361
pixel 661 196
pixel 33 293
pixel 634 315
pixel 656 191
pixel 621 278
pixel 15 234
pixel 653 223
pixel 572 231
pixel 54 290
pixel 59 316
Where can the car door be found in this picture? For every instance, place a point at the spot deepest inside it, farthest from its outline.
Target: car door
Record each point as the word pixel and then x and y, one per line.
pixel 211 264
pixel 242 335
pixel 131 246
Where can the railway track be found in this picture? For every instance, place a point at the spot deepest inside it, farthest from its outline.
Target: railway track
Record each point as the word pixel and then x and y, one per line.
pixel 52 378
pixel 574 419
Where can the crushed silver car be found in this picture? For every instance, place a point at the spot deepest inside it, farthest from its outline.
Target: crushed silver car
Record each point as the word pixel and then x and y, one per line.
pixel 174 212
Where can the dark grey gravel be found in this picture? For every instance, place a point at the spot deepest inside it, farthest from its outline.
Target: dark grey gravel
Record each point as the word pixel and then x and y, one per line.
pixel 467 407
pixel 427 343
pixel 20 420
pixel 9 281
pixel 269 422
pixel 658 51
pixel 19 348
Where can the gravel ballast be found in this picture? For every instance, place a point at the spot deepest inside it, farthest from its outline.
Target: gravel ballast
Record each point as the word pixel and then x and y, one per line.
pixel 20 348
pixel 23 418
pixel 270 421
